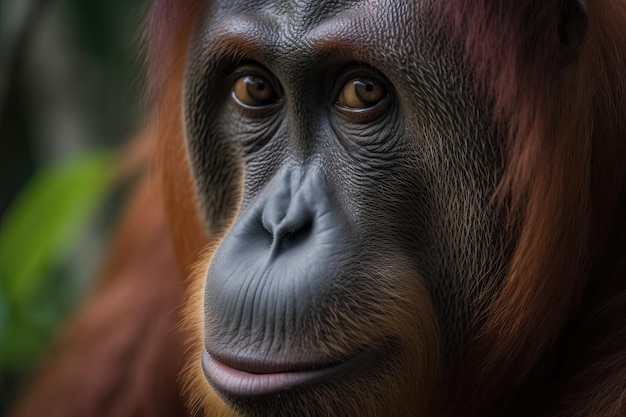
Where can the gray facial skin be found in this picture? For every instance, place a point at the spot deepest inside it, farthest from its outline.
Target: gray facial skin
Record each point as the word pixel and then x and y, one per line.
pixel 358 166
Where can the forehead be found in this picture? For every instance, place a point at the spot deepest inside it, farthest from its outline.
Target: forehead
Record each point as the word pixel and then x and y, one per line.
pixel 315 27
pixel 308 13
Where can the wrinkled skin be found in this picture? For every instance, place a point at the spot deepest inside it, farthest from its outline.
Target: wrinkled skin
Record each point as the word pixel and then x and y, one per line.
pixel 365 231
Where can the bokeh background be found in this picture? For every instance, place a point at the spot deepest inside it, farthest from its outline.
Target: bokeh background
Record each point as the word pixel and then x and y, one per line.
pixel 71 81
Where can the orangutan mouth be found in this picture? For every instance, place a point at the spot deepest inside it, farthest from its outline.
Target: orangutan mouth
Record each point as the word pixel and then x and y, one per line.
pixel 248 379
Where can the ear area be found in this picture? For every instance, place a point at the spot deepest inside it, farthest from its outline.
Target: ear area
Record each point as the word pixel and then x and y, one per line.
pixel 572 28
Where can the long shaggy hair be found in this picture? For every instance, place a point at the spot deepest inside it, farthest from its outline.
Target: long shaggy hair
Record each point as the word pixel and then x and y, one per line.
pixel 564 177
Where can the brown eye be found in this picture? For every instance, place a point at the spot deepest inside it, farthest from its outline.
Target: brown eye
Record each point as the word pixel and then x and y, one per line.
pixel 361 93
pixel 254 91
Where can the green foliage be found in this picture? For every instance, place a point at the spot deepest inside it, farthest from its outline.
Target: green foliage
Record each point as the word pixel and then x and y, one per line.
pixel 36 232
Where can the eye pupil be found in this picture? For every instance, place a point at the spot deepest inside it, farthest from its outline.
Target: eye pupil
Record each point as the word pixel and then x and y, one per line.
pixel 369 86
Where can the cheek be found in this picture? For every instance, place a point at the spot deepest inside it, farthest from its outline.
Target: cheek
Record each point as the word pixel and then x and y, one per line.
pixel 433 204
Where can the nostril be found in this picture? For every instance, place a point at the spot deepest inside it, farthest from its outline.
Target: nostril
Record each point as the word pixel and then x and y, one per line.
pixel 290 235
pixel 288 220
pixel 294 233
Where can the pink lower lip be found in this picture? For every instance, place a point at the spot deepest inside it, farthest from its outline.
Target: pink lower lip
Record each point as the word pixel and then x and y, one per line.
pixel 239 383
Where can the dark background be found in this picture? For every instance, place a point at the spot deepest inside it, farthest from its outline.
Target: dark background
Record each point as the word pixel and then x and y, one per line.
pixel 71 80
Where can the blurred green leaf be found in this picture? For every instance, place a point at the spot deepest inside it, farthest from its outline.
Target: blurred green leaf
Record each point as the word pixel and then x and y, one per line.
pixel 40 226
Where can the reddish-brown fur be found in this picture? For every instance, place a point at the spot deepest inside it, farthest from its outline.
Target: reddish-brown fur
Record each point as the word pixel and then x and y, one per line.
pixel 565 178
pixel 558 323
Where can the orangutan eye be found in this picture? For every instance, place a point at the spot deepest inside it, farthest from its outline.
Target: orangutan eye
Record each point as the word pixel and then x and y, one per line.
pixel 361 93
pixel 254 91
